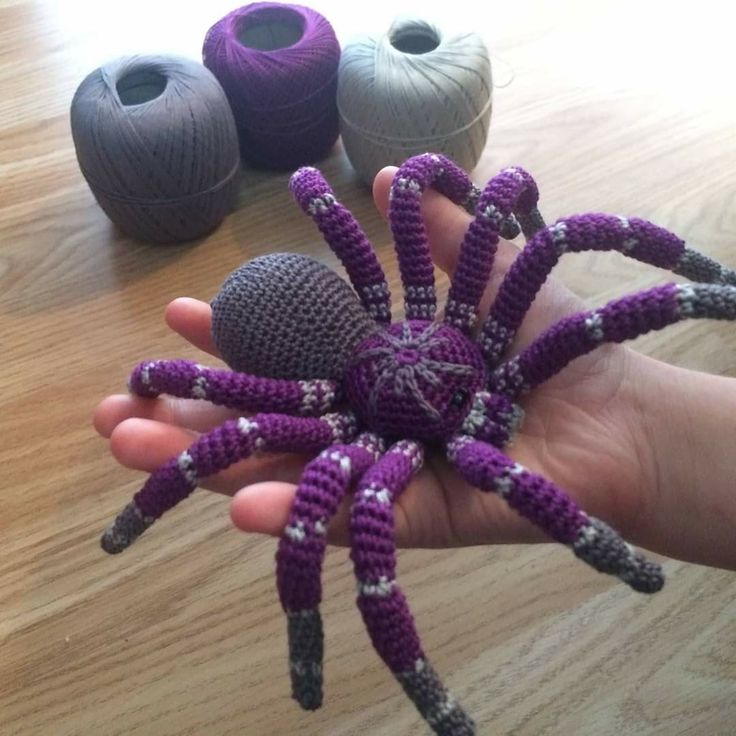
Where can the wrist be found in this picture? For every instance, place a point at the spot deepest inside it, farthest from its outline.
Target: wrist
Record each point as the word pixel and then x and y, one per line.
pixel 689 425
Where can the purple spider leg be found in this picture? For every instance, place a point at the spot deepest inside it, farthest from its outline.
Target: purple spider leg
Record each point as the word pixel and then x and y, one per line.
pixel 633 237
pixel 511 193
pixel 450 180
pixel 242 391
pixel 492 418
pixel 383 606
pixel 407 224
pixel 217 450
pixel 346 239
pixel 547 506
pixel 301 552
pixel 619 320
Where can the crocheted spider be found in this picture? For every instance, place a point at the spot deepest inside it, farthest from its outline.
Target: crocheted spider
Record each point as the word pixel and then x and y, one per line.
pixel 331 375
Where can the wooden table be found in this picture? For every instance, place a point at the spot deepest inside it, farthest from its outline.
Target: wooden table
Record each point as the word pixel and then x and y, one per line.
pixel 617 106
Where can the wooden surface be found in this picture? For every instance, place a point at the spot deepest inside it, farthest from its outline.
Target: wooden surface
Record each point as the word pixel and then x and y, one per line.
pixel 619 106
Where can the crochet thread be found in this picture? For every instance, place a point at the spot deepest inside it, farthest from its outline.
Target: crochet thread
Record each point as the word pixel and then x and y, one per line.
pixel 368 397
pixel 277 63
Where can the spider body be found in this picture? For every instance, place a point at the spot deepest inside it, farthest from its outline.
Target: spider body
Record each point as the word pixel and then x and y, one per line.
pixel 285 315
pixel 327 373
pixel 415 380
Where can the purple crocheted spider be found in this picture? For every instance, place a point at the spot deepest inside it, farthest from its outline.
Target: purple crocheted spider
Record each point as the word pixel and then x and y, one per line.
pixel 330 374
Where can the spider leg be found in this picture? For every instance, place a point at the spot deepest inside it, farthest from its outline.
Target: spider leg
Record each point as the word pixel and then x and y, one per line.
pixel 509 197
pixel 551 509
pixel 234 440
pixel 346 239
pixel 492 418
pixel 301 552
pixel 635 238
pixel 407 224
pixel 242 391
pixel 619 320
pixel 383 606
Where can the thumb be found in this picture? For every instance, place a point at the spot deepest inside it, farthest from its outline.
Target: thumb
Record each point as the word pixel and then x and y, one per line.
pixel 445 222
pixel 264 508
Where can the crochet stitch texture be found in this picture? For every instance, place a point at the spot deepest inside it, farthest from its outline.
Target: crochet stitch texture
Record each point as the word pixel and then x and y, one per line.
pixel 328 374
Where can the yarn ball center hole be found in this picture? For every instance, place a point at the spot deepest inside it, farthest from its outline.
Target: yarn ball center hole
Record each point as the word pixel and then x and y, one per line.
pixel 271 29
pixel 139 86
pixel 415 40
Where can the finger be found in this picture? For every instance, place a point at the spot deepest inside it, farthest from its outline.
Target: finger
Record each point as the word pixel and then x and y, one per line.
pixel 445 222
pixel 192 319
pixel 143 444
pixel 446 225
pixel 264 508
pixel 191 414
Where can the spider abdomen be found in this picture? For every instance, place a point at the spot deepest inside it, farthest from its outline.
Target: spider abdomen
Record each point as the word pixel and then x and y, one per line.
pixel 284 315
pixel 414 379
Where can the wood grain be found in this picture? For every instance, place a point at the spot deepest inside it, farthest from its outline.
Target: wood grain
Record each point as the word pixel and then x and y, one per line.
pixel 619 106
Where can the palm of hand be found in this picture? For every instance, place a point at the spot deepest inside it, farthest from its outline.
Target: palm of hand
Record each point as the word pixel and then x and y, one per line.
pixel 581 431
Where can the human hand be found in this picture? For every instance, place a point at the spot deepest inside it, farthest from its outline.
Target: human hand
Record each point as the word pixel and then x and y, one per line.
pixel 585 429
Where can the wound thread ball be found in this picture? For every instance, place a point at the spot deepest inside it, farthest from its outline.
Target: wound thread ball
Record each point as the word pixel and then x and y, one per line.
pixel 413 89
pixel 278 66
pixel 156 142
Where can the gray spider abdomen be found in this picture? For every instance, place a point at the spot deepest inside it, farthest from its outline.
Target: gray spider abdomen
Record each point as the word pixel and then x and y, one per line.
pixel 285 315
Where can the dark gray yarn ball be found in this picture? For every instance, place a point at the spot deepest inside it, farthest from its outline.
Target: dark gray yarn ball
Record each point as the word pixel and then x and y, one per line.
pixel 284 315
pixel 156 141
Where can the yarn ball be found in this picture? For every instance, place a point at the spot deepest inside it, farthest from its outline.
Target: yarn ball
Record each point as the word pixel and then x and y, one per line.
pixel 284 315
pixel 415 379
pixel 412 90
pixel 156 142
pixel 278 66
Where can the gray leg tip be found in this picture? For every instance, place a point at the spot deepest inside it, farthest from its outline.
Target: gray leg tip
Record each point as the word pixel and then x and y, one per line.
pixel 306 644
pixel 602 548
pixel 306 687
pixel 510 228
pixel 436 705
pixel 111 544
pixel 645 577
pixel 127 527
pixel 531 223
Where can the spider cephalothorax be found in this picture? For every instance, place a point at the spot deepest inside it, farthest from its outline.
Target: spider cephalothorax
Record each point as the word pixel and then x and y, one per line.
pixel 329 374
pixel 415 379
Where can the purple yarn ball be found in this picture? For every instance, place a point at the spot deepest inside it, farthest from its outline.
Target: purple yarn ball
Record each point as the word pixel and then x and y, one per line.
pixel 414 379
pixel 278 66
